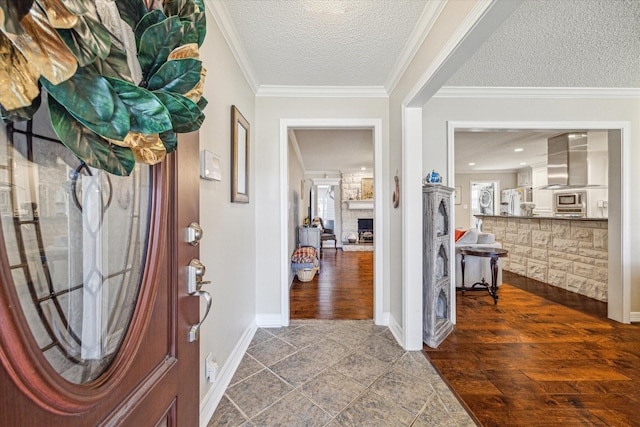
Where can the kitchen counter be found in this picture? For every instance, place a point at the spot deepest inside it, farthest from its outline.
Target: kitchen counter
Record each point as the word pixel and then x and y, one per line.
pixel 559 218
pixel 570 253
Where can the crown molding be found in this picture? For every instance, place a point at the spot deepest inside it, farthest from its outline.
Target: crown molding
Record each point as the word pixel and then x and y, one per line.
pixel 425 23
pixel 538 92
pixel 322 91
pixel 221 15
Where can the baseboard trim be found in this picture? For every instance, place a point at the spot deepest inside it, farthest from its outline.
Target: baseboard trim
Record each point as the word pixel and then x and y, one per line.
pixel 635 316
pixel 211 400
pixel 396 330
pixel 268 320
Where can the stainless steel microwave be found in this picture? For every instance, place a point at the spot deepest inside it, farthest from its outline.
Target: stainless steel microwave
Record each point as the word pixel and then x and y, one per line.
pixel 573 203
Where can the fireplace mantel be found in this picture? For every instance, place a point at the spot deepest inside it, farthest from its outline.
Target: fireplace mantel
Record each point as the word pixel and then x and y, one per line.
pixel 360 204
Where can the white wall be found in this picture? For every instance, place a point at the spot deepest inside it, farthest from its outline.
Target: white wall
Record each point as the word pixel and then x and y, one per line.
pixel 463 180
pixel 438 111
pixel 228 245
pixel 269 112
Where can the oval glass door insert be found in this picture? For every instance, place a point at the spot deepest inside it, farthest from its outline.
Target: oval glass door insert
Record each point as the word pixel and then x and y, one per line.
pixel 76 240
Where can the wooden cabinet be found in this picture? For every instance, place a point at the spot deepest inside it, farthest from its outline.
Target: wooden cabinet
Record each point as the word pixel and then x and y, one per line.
pixel 438 258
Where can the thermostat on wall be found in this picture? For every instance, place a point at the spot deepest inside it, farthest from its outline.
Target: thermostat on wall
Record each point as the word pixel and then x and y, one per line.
pixel 210 166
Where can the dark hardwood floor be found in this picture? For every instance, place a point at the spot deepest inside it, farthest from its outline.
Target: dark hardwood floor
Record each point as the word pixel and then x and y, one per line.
pixel 541 357
pixel 343 289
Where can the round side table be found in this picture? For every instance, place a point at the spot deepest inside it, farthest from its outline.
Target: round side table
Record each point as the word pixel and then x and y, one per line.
pixel 494 254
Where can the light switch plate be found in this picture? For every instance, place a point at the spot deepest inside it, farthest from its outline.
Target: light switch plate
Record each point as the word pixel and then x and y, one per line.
pixel 210 166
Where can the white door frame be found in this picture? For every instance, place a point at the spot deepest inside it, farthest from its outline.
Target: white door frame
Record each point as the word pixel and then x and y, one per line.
pixel 379 190
pixel 619 281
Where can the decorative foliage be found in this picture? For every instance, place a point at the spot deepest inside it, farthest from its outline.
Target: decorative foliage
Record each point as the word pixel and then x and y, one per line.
pixel 122 77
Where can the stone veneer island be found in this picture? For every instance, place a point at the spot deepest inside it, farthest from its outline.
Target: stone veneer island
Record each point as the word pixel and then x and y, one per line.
pixel 570 253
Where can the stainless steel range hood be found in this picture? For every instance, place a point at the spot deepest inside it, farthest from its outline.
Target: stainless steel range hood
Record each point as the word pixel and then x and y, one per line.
pixel 567 165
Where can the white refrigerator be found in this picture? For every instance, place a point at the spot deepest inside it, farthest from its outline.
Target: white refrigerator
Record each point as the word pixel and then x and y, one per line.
pixel 512 198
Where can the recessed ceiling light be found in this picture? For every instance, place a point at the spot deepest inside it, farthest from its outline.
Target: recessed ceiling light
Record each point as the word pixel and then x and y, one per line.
pixel 363 168
pixel 517 150
pixel 523 163
pixel 472 164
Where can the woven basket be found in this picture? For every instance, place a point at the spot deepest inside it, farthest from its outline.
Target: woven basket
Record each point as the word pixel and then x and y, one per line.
pixel 306 274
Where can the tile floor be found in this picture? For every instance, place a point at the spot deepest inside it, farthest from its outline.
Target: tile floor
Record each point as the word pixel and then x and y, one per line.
pixel 335 373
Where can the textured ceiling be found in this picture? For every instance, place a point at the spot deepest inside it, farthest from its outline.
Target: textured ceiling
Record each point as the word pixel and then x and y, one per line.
pixel 325 150
pixel 324 42
pixel 568 43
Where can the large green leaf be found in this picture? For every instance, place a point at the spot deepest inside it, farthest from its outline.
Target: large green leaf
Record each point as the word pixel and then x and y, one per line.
pixel 156 44
pixel 87 41
pixel 92 101
pixel 131 11
pixel 185 114
pixel 202 103
pixel 115 65
pixel 148 114
pixel 86 93
pixel 195 28
pixel 151 18
pixel 179 76
pixel 88 146
pixel 169 140
pixel 117 128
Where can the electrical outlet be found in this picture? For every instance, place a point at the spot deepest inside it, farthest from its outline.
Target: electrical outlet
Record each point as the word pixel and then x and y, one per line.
pixel 207 361
pixel 213 372
pixel 210 368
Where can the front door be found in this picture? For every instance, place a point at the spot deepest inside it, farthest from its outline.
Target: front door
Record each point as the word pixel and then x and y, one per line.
pixel 95 315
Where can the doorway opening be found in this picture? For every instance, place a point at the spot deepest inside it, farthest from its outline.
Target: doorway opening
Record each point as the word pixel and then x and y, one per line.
pixel 618 289
pixel 344 202
pixel 336 281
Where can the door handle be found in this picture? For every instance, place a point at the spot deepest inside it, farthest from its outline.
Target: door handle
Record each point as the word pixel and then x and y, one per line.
pixel 194 332
pixel 195 274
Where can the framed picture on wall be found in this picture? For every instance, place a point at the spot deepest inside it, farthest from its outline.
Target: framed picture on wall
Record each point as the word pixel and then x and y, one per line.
pixel 239 157
pixel 366 188
pixel 458 195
